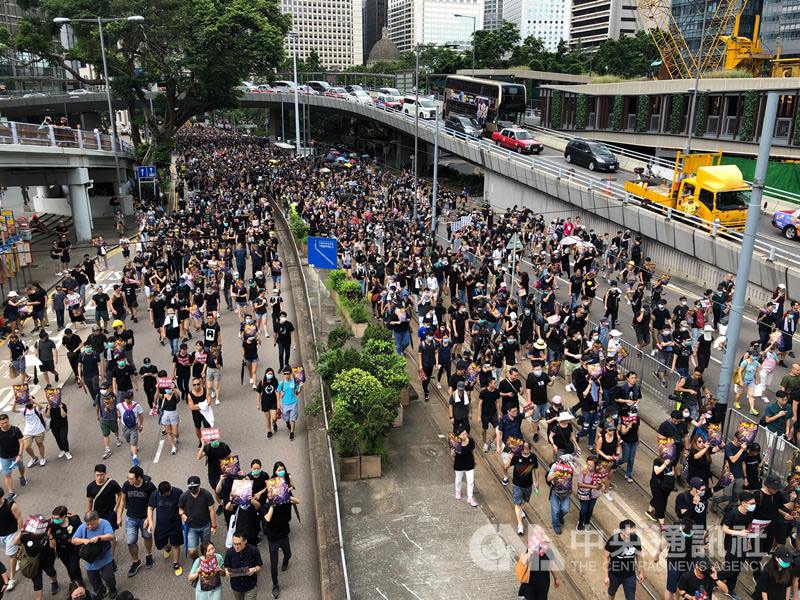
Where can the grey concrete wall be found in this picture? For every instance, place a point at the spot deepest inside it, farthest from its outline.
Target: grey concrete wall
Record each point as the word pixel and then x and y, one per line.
pixel 686 253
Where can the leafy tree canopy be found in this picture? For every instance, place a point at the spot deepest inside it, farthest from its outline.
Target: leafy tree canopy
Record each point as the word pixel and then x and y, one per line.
pixel 197 51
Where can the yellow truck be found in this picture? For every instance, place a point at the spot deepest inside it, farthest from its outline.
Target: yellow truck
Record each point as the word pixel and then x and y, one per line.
pixel 701 187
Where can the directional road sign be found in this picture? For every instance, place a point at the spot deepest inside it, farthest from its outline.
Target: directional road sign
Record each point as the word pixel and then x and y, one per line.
pixel 322 252
pixel 146 172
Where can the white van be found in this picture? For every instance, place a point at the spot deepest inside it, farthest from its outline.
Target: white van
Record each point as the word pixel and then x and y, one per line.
pixel 426 108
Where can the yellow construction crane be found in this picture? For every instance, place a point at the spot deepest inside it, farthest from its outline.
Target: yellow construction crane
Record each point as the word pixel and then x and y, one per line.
pixel 678 61
pixel 743 53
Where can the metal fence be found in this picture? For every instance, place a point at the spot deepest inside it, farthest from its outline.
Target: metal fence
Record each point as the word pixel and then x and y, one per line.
pixel 779 456
pixel 28 134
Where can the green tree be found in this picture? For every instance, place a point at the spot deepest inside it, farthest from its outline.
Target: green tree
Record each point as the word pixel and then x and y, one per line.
pixel 197 51
pixel 629 56
pixel 313 63
pixel 493 48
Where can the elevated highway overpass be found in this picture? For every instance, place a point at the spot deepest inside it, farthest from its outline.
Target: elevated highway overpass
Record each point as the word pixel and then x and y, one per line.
pixel 547 185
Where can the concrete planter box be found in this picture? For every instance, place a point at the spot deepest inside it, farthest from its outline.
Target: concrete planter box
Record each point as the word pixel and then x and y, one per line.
pixel 358 329
pixel 350 468
pixel 405 398
pixel 370 466
pixel 353 468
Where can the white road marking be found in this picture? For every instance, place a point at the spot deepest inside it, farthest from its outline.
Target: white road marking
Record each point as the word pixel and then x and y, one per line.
pixel 158 451
pixel 384 596
pixel 410 591
pixel 410 540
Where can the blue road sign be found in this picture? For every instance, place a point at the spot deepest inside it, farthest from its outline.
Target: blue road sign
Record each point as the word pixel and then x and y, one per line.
pixel 322 252
pixel 146 172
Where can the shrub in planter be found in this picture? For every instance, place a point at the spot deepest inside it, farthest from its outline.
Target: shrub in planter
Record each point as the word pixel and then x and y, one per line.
pixel 336 277
pixel 376 332
pixel 347 433
pixel 297 225
pixel 380 359
pixel 338 336
pixel 349 289
pixel 334 361
pixel 358 311
pixel 379 413
pixel 352 388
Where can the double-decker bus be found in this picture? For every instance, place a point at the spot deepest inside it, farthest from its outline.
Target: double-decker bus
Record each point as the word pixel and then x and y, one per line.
pixel 485 100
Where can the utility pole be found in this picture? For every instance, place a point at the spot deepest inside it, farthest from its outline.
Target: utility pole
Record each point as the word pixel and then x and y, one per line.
pixel 416 127
pixel 746 252
pixel 435 178
pixel 293 36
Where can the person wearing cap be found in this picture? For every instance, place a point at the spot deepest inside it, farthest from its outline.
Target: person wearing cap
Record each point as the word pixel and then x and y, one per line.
pixel 766 321
pixel 288 391
pixel 692 503
pixel 774 581
pixel 98 534
pixel 164 522
pixel 770 500
pixel 701 581
pixel 196 507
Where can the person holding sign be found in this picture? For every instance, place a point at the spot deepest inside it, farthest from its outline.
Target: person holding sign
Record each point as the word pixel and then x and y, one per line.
pixel 207 572
pixel 276 526
pixel 56 411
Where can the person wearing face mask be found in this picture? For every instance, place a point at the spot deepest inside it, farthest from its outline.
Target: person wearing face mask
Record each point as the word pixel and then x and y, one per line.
pixel 250 343
pixel 267 400
pixel 171 331
pixel 444 358
pixel 692 504
pixel 123 378
pixel 426 363
pixel 167 408
pixel 196 509
pixel 276 527
pixel 213 452
pixel 774 581
pixel 284 340
pixel 736 527
pixel 62 525
pixel 702 348
pixel 682 551
pixel 536 385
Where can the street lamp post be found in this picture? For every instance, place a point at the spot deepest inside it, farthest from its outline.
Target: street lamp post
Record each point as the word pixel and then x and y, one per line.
pixel 100 21
pixel 293 36
pixel 474 25
pixel 416 126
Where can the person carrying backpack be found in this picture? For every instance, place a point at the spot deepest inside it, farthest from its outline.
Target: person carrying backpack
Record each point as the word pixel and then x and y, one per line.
pixel 131 414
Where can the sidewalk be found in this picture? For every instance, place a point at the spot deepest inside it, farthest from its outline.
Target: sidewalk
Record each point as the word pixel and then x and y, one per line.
pixel 44 269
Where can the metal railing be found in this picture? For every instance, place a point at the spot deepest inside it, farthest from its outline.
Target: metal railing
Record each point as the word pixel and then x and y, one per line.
pixel 664 163
pixel 28 134
pixel 779 456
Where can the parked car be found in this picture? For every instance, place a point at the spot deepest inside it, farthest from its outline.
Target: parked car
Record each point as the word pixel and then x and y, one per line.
pixel 284 86
pixel 319 86
pixel 34 95
pixel 353 88
pixel 387 100
pixel 308 91
pixel 336 92
pixel 590 154
pixel 78 92
pixel 263 88
pixel 518 140
pixel 360 97
pixel 426 108
pixel 463 125
pixel 788 221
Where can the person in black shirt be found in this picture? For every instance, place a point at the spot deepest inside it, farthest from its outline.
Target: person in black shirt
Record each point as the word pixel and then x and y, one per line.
pixel 149 374
pixel 136 494
pixel 11 448
pixel 684 544
pixel 72 342
pixel 267 400
pixel 283 340
pixel 464 465
pixel 700 581
pixel 242 564
pixel 774 581
pixel 623 558
pixel 737 541
pixel 510 388
pixel 211 332
pixel 692 503
pixel 489 409
pixel 62 525
pixel 123 378
pixel 524 478
pixel 427 363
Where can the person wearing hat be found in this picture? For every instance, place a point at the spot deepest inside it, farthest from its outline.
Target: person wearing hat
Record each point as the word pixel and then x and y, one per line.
pixel 770 500
pixel 164 521
pixel 692 503
pixel 196 508
pixel 701 581
pixel 774 581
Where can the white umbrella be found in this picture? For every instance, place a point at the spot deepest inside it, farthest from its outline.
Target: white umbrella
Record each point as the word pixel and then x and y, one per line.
pixel 324 170
pixel 570 240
